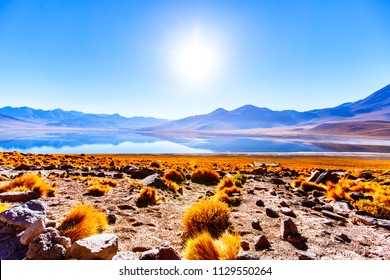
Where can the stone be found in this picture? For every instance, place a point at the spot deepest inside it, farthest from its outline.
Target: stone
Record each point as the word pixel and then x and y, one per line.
pixel 10 246
pixel 369 221
pixel 154 180
pixel 295 238
pixel 129 169
pixel 141 248
pixel 51 223
pixel 340 207
pixel 334 216
pixel 342 237
pixel 277 181
pixel 327 176
pixel 288 211
pixel 49 245
pixel 305 255
pixel 256 224
pixel 261 242
pixel 299 192
pixel 96 247
pixel 260 203
pixel 118 176
pixel 32 232
pixel 25 215
pixel 167 253
pixel 18 196
pixel 271 213
pixel 124 256
pixel 248 256
pixel 308 203
pixel 356 195
pixel 313 176
pixel 288 227
pixel 384 223
pixel 111 218
pixel 142 173
pixel 245 245
pixel 259 171
pixel 149 255
pixel 283 203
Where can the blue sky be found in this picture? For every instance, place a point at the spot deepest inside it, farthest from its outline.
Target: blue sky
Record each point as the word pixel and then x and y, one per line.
pixel 112 56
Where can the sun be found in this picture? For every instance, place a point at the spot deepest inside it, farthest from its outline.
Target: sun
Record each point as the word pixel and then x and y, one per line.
pixel 196 59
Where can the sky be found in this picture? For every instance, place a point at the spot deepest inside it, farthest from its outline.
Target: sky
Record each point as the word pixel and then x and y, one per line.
pixel 172 59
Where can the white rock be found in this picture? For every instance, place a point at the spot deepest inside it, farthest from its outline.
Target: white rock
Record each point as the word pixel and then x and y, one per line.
pixel 96 247
pixel 32 232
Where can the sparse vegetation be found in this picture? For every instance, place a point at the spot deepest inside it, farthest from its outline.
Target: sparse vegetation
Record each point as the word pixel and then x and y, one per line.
pixel 239 179
pixel 29 182
pixel 228 192
pixel 174 176
pixel 377 210
pixel 82 221
pixel 205 176
pixel 204 247
pixel 147 196
pixel 207 214
pixel 3 207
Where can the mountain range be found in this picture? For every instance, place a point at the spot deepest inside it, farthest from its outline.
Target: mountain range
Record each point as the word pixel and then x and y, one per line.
pixel 372 111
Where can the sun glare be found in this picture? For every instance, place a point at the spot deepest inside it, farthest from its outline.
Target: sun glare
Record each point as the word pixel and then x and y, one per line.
pixel 196 60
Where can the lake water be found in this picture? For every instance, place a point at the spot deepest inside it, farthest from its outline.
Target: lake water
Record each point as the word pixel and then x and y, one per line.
pixel 114 143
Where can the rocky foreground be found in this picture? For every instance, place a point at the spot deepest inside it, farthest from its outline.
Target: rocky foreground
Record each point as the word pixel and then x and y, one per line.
pixel 274 219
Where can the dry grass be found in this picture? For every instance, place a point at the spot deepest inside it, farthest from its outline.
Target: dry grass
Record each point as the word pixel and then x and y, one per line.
pixel 82 221
pixel 174 187
pixel 174 176
pixel 3 207
pixel 147 196
pixel 205 176
pixel 227 192
pixel 204 247
pixel 29 182
pixel 239 179
pixel 101 187
pixel 207 214
pixel 377 210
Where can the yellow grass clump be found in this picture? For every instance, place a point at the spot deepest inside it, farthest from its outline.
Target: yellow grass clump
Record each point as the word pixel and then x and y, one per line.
pixel 204 247
pixel 29 182
pixel 205 176
pixel 377 210
pixel 239 179
pixel 174 187
pixel 207 214
pixel 174 176
pixel 147 196
pixel 101 187
pixel 3 207
pixel 225 191
pixel 83 221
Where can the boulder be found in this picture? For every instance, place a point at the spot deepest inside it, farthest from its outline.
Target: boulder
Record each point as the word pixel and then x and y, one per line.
pixel 260 203
pixel 288 211
pixel 313 176
pixel 18 196
pixel 10 246
pixel 154 180
pixel 305 255
pixel 129 169
pixel 271 213
pixel 256 224
pixel 25 215
pixel 32 232
pixel 277 181
pixel 167 252
pixel 96 247
pixel 261 242
pixel 49 245
pixel 308 203
pixel 288 227
pixel 334 216
pixel 327 176
pixel 124 256
pixel 149 255
pixel 142 173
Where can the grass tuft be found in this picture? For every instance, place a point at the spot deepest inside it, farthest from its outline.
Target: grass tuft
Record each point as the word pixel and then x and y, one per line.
pixel 205 176
pixel 147 196
pixel 29 182
pixel 174 176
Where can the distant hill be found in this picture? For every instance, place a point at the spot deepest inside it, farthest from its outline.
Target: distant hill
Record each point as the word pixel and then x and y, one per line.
pixel 75 119
pixel 358 128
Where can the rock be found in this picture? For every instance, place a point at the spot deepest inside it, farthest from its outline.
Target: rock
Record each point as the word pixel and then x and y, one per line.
pixel 283 203
pixel 111 218
pixel 248 256
pixel 118 176
pixel 356 195
pixel 256 224
pixel 245 245
pixel 154 180
pixel 129 169
pixel 295 238
pixel 317 193
pixel 308 203
pixel 261 242
pixel 334 216
pixel 277 181
pixel 141 248
pixel 10 246
pixel 272 192
pixel 341 208
pixel 167 252
pixel 327 176
pixel 288 227
pixel 299 192
pixel 288 211
pixel 305 255
pixel 124 256
pixel 314 175
pixel 367 175
pixel 51 223
pixel 384 223
pixel 18 196
pixel 259 171
pixel 25 215
pixel 260 203
pixel 96 247
pixel 86 169
pixel 49 245
pixel 326 207
pixel 149 255
pixel 369 221
pixel 271 213
pixel 142 173
pixel 23 166
pixel 32 232
pixel 342 237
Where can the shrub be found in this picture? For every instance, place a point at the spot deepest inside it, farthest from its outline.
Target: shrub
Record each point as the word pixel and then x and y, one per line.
pixel 205 176
pixel 377 210
pixel 174 176
pixel 155 164
pixel 82 221
pixel 174 187
pixel 204 247
pixel 207 214
pixel 225 190
pixel 98 189
pixel 239 179
pixel 3 207
pixel 147 196
pixel 29 182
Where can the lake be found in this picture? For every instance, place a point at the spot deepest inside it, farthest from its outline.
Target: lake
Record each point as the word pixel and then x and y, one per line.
pixel 98 142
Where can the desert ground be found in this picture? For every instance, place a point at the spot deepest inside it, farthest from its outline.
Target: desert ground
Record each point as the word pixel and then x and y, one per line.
pixel 329 221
